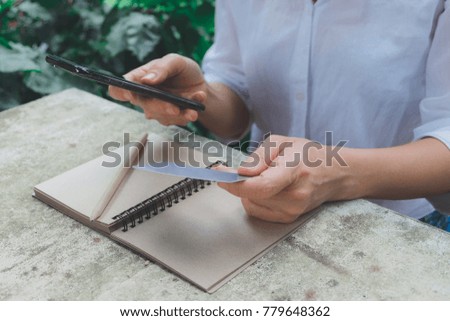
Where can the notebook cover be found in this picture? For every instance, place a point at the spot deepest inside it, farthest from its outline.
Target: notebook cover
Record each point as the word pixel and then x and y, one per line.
pixel 207 238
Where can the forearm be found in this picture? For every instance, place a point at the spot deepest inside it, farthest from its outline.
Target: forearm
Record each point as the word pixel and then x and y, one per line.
pixel 417 169
pixel 226 115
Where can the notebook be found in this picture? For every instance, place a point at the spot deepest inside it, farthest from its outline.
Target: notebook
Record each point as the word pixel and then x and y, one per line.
pixel 190 226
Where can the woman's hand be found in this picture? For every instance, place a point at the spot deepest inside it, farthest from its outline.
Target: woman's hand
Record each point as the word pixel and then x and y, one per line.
pixel 174 73
pixel 225 115
pixel 290 176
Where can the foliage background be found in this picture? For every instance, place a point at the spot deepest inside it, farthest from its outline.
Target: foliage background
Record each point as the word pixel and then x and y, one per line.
pixel 114 35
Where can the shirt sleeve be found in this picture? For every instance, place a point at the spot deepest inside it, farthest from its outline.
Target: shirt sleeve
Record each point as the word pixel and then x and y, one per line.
pixel 222 62
pixel 441 203
pixel 435 107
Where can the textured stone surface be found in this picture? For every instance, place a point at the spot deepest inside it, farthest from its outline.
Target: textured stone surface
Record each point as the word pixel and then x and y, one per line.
pixel 349 251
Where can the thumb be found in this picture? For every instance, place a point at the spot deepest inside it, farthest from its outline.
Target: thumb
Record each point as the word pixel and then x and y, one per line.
pixel 262 157
pixel 160 70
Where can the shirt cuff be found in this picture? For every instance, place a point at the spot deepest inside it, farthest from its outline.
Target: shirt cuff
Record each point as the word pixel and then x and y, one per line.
pixel 439 129
pixel 239 90
pixel 441 203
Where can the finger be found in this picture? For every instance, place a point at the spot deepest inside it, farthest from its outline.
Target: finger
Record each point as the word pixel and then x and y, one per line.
pixel 138 73
pixel 133 76
pixel 119 93
pixel 263 156
pixel 157 70
pixel 290 203
pixel 166 121
pixel 154 72
pixel 155 106
pixel 223 168
pixel 264 213
pixel 259 160
pixel 269 183
pixel 163 111
pixel 190 114
pixel 276 178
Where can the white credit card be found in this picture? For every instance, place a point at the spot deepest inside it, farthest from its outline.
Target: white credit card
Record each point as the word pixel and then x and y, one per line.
pixel 192 172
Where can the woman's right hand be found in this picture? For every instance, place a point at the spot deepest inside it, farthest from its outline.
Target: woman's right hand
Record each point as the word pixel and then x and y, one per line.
pixel 173 73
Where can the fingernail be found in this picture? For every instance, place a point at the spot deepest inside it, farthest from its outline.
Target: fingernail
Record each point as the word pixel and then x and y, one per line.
pixel 149 76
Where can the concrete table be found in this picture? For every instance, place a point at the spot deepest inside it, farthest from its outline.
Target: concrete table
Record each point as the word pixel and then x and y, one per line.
pixel 349 251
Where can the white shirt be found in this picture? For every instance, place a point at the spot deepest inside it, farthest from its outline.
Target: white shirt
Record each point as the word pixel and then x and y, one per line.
pixel 375 73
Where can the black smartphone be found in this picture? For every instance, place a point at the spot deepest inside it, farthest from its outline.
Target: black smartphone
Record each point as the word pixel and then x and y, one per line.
pixel 106 79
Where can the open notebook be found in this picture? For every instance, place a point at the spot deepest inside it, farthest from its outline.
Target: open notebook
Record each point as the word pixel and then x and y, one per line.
pixel 206 237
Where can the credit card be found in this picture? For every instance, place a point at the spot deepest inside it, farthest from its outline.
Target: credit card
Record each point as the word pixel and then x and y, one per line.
pixel 192 172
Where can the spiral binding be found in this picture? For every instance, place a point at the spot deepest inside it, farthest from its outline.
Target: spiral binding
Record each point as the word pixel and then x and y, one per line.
pixel 159 202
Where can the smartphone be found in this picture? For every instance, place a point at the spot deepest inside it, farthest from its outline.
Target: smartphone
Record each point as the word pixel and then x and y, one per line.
pixel 107 79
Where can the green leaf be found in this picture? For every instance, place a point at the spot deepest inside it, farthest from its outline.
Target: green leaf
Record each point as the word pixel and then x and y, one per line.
pixel 5 5
pixel 50 80
pixel 137 32
pixel 50 4
pixel 45 81
pixel 4 43
pixel 19 58
pixel 34 10
pixel 91 18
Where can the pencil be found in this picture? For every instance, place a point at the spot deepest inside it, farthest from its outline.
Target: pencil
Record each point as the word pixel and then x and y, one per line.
pixel 117 179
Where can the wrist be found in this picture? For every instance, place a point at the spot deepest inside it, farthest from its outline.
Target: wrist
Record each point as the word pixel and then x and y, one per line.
pixel 209 102
pixel 353 175
pixel 225 114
